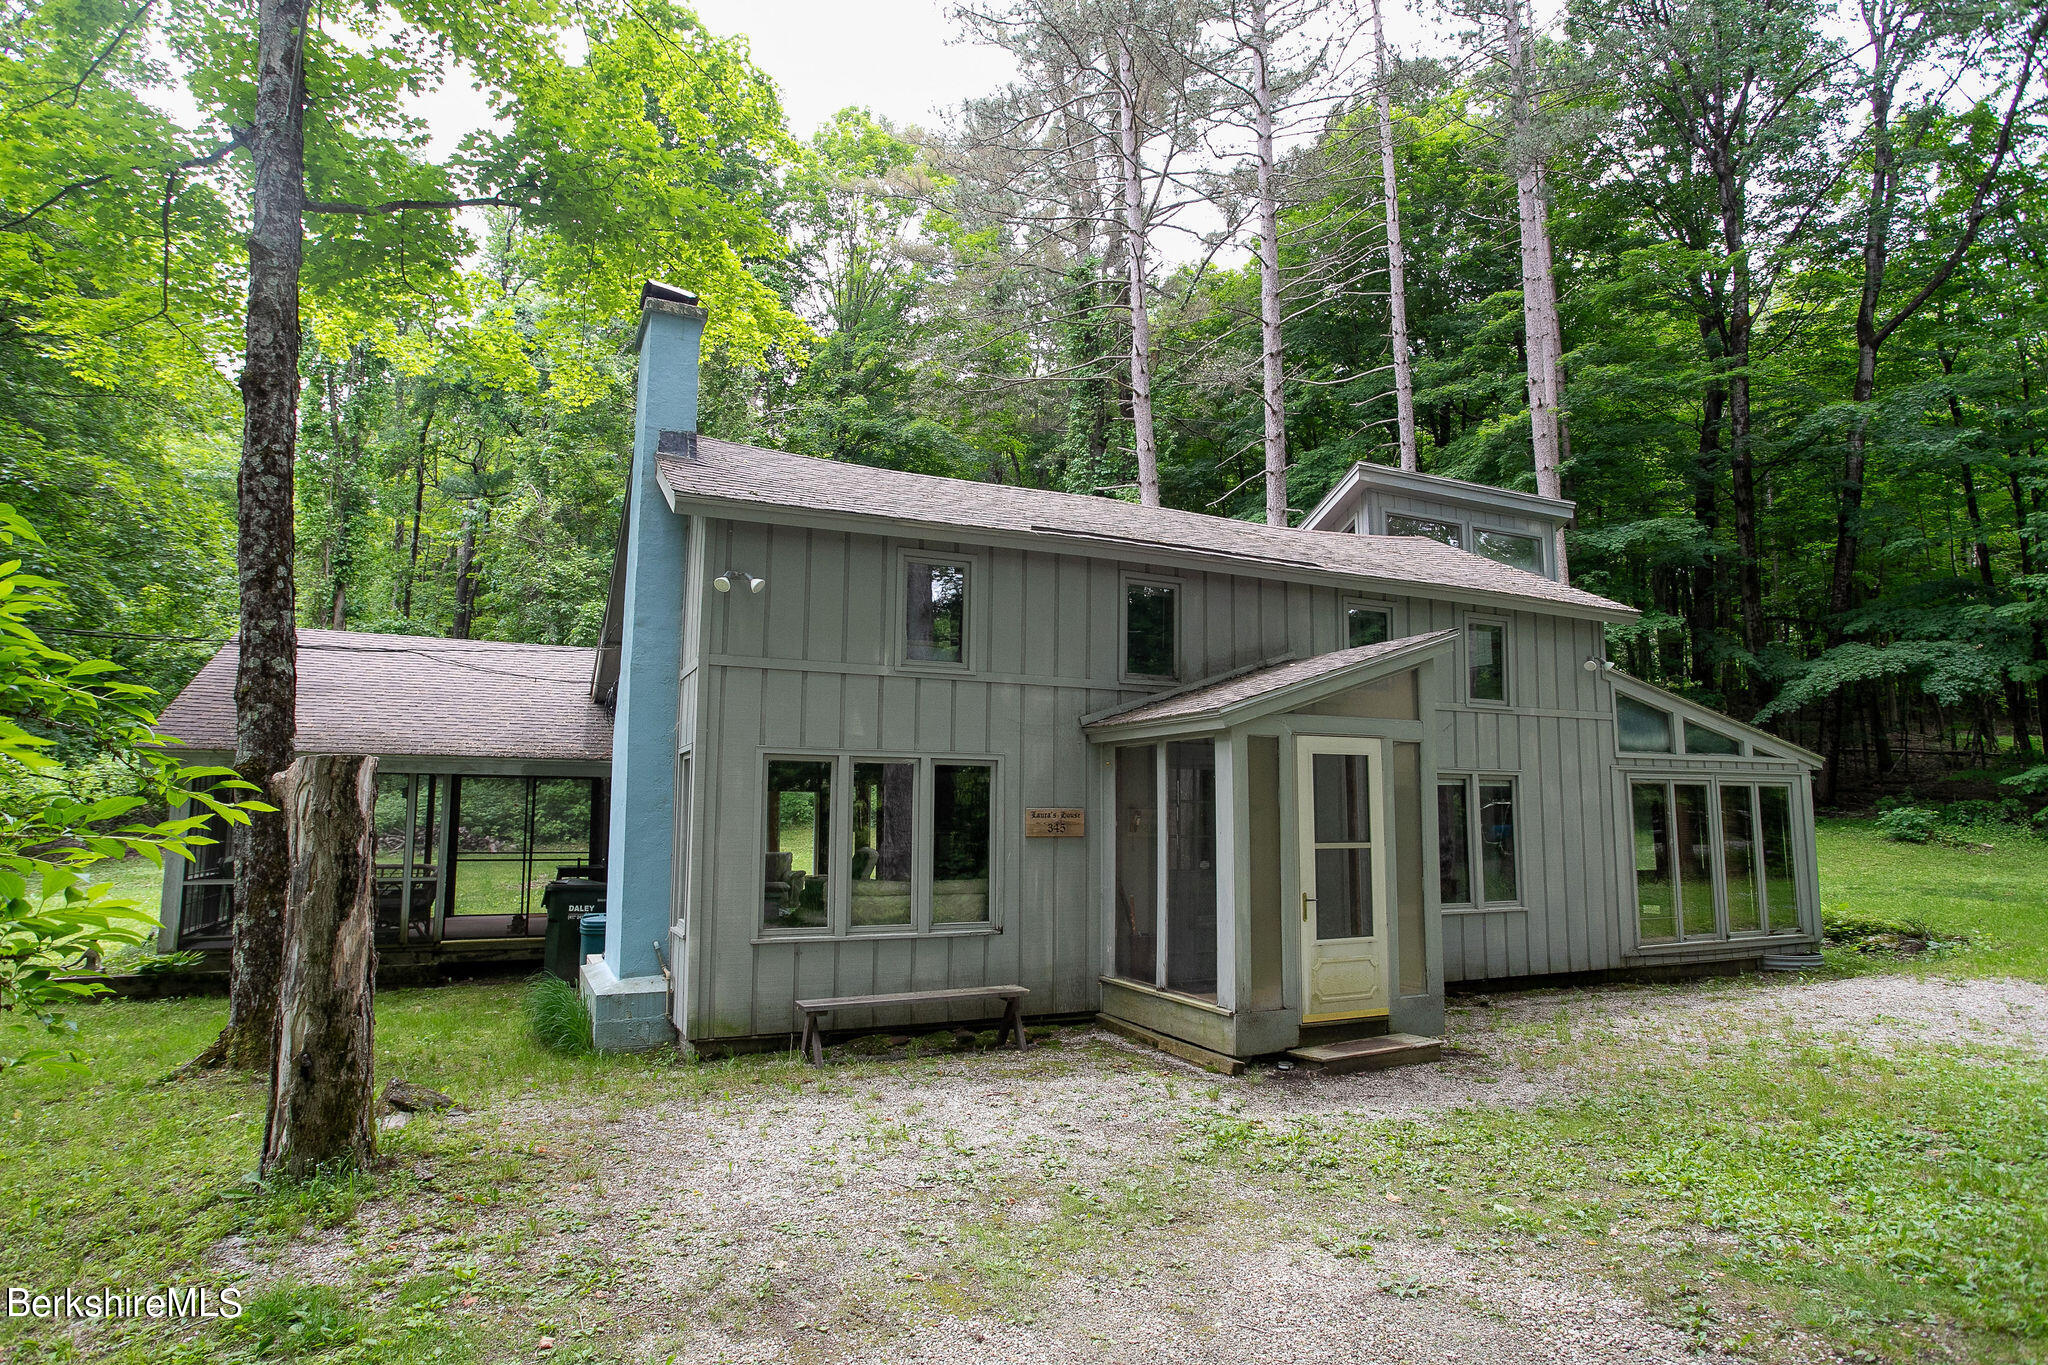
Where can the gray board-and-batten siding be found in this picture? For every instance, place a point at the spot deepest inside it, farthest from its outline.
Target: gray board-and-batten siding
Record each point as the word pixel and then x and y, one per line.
pixel 812 666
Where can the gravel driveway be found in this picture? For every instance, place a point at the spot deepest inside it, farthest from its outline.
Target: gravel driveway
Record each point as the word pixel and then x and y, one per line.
pixel 1035 1208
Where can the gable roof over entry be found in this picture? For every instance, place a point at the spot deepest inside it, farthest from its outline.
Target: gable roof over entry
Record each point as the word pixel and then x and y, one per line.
pixel 1255 692
pixel 777 485
pixel 412 695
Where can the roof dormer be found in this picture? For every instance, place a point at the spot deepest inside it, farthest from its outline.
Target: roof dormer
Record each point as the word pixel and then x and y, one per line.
pixel 1517 529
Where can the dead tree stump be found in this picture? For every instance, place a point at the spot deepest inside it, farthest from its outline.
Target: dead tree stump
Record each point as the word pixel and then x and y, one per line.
pixel 322 1110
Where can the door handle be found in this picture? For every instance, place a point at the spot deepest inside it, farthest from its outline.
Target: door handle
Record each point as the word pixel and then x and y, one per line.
pixel 1306 901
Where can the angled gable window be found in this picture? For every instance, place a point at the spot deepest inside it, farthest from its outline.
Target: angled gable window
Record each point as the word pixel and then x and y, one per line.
pixel 1701 740
pixel 1429 528
pixel 1641 729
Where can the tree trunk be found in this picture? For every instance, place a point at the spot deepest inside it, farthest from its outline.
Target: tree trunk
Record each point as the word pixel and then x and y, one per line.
pixel 1269 278
pixel 465 576
pixel 419 502
pixel 266 685
pixel 1141 322
pixel 1397 263
pixel 1539 300
pixel 322 1116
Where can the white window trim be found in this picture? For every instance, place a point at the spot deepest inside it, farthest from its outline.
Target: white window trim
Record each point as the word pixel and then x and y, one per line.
pixel 1125 582
pixel 899 612
pixel 1507 671
pixel 1475 875
pixel 839 926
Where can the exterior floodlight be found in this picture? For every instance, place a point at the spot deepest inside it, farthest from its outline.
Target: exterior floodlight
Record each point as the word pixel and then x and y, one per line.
pixel 725 581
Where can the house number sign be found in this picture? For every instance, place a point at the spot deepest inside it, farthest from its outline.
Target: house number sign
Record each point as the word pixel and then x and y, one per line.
pixel 1054 822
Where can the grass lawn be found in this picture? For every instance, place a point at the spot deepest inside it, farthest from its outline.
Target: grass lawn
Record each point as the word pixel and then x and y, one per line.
pixel 1757 1185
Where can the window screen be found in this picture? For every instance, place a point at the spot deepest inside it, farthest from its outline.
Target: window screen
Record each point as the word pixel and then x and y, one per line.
pixel 1191 866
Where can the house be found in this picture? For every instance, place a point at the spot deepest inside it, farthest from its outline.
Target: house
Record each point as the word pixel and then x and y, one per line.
pixel 1242 787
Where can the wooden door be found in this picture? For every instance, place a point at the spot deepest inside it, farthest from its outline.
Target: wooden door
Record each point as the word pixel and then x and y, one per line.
pixel 1345 857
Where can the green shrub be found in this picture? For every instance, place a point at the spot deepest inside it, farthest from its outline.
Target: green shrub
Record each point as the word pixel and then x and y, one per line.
pixel 1909 824
pixel 1864 932
pixel 556 1016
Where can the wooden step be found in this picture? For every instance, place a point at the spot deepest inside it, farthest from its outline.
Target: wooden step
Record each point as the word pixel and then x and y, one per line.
pixel 1370 1054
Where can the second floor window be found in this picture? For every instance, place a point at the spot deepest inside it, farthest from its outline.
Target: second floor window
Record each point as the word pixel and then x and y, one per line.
pixel 1365 625
pixel 1149 645
pixel 1444 532
pixel 1486 660
pixel 935 611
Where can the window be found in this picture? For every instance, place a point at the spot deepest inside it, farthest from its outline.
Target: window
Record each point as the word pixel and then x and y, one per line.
pixel 960 842
pixel 935 611
pixel 799 833
pixel 1443 532
pixel 1506 547
pixel 1364 625
pixel 884 812
pixel 207 898
pixel 1700 740
pixel 1641 729
pixel 1486 662
pixel 1137 863
pixel 1476 815
pixel 916 846
pixel 1700 847
pixel 1149 635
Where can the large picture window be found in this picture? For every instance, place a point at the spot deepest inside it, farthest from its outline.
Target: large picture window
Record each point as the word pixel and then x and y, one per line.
pixel 1475 835
pixel 1712 861
pixel 935 611
pixel 915 844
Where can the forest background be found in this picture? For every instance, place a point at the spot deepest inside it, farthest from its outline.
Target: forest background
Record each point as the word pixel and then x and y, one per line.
pixel 1796 251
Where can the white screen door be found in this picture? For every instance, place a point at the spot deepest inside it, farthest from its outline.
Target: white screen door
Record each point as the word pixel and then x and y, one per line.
pixel 1344 861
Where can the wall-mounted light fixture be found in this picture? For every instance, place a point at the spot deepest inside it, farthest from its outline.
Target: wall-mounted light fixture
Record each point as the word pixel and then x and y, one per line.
pixel 724 582
pixel 1596 665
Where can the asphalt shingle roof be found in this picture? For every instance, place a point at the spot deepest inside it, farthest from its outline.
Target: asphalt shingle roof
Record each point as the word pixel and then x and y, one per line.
pixel 1238 688
pixel 416 695
pixel 726 472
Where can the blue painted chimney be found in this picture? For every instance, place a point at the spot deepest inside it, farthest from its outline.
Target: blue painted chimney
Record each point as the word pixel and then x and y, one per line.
pixel 644 742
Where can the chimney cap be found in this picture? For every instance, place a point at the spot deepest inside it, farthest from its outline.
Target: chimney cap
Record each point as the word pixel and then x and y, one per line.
pixel 667 293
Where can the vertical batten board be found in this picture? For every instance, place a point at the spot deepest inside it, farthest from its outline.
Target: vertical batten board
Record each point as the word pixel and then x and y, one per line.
pixel 970 717
pixel 870 607
pixel 1001 602
pixel 782 699
pixel 899 714
pixel 824 715
pixel 861 702
pixel 935 716
pixel 1105 659
pixel 1071 579
pixel 746 613
pixel 1041 619
pixel 831 581
pixel 787 597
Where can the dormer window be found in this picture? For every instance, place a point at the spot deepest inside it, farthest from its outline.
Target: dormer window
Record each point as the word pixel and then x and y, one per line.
pixel 1509 548
pixel 1443 532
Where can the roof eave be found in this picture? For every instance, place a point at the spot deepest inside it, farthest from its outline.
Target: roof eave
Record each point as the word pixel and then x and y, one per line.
pixel 1286 697
pixel 1126 551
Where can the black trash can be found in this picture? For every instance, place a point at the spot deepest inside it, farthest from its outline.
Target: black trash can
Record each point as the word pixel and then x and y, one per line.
pixel 567 900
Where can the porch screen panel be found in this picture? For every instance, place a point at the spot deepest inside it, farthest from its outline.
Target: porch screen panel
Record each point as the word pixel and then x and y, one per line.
pixel 1408 871
pixel 1656 885
pixel 1191 866
pixel 794 880
pixel 1781 887
pixel 207 900
pixel 563 834
pixel 884 808
pixel 1694 833
pixel 493 832
pixel 960 842
pixel 1453 844
pixel 1137 865
pixel 1738 861
pixel 403 913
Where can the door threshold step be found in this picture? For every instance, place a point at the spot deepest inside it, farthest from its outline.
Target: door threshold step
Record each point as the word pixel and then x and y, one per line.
pixel 1370 1054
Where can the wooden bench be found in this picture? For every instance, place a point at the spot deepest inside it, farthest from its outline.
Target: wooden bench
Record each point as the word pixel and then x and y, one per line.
pixel 813 1043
